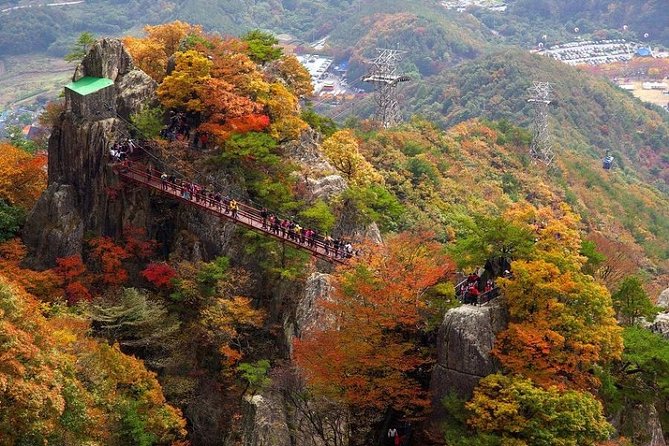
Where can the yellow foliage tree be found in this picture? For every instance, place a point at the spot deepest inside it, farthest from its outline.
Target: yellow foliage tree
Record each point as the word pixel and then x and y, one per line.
pixel 343 152
pixel 295 75
pixel 180 89
pixel 148 55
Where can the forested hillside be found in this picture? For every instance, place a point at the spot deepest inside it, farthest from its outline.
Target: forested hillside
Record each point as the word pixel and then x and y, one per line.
pixel 428 280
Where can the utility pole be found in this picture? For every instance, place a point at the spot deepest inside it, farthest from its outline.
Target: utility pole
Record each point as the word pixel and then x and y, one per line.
pixel 384 75
pixel 541 96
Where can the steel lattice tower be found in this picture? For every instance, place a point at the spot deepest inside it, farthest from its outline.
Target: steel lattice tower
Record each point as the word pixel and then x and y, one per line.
pixel 541 96
pixel 385 78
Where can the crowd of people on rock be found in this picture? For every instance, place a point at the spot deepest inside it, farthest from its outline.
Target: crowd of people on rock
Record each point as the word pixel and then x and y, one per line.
pixel 179 129
pixel 471 289
pixel 281 227
pixel 123 150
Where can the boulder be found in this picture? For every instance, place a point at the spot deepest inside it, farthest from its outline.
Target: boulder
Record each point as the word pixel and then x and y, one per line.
pixel 54 226
pixel 663 300
pixel 464 344
pixel 661 325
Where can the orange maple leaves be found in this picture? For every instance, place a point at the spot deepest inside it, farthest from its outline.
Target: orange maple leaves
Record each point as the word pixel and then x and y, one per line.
pixel 366 349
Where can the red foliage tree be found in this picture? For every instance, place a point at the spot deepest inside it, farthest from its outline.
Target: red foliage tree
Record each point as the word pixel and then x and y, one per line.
pixel 159 274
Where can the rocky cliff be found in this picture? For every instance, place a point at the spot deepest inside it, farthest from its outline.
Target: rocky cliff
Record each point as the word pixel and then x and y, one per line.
pixel 464 344
pixel 80 198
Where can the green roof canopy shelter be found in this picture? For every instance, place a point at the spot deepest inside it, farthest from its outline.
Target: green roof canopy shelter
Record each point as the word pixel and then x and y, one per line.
pixel 91 98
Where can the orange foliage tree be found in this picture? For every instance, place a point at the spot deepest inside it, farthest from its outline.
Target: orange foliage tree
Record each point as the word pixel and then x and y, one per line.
pixel 365 348
pixel 150 53
pixel 46 285
pixel 561 325
pixel 22 176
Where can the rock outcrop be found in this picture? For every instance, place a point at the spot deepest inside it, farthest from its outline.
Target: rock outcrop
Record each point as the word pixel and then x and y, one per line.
pixel 663 300
pixel 82 193
pixel 264 421
pixel 464 345
pixel 661 325
pixel 641 424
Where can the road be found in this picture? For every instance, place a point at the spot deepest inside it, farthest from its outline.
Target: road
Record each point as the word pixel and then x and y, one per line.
pixel 40 5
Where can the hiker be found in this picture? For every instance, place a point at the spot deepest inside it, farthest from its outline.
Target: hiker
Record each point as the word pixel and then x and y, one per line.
pixel 163 181
pixel 234 207
pixel 264 214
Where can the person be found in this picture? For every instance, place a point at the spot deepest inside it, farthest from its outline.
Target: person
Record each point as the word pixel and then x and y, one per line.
pixel 473 294
pixel 398 440
pixel 392 434
pixel 284 227
pixel 217 199
pixel 348 249
pixel 488 286
pixel 264 214
pixel 163 181
pixel 226 204
pixel 234 207
pixel 312 238
pixel 327 242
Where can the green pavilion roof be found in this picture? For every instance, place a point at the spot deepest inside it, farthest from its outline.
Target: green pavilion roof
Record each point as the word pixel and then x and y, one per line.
pixel 88 85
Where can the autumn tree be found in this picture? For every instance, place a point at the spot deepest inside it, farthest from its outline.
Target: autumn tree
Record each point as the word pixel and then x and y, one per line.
pixel 343 152
pixel 180 89
pixel 561 325
pixel 147 55
pixel 60 386
pixel 364 350
pixel 209 293
pixel 72 273
pixel 523 414
pixel 295 75
pixel 22 176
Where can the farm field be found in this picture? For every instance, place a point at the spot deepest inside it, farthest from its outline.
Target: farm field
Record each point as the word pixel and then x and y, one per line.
pixel 30 77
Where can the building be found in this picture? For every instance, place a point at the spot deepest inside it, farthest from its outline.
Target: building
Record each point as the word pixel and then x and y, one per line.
pixel 92 98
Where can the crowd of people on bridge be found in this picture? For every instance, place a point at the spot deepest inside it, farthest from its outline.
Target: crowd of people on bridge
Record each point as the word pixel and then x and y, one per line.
pixel 286 228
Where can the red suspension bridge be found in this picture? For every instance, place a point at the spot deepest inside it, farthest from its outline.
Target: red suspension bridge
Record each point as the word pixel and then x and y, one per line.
pixel 246 216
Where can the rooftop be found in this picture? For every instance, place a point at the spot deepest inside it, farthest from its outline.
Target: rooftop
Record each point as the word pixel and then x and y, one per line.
pixel 88 85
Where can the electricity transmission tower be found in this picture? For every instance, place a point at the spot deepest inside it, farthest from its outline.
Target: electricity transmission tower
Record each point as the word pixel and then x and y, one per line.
pixel 384 75
pixel 541 96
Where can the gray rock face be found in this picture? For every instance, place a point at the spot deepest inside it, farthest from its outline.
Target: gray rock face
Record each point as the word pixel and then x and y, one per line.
pixel 265 422
pixel 641 424
pixel 106 58
pixel 326 187
pixel 135 89
pixel 309 314
pixel 661 325
pixel 464 343
pixel 663 300
pixel 57 229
